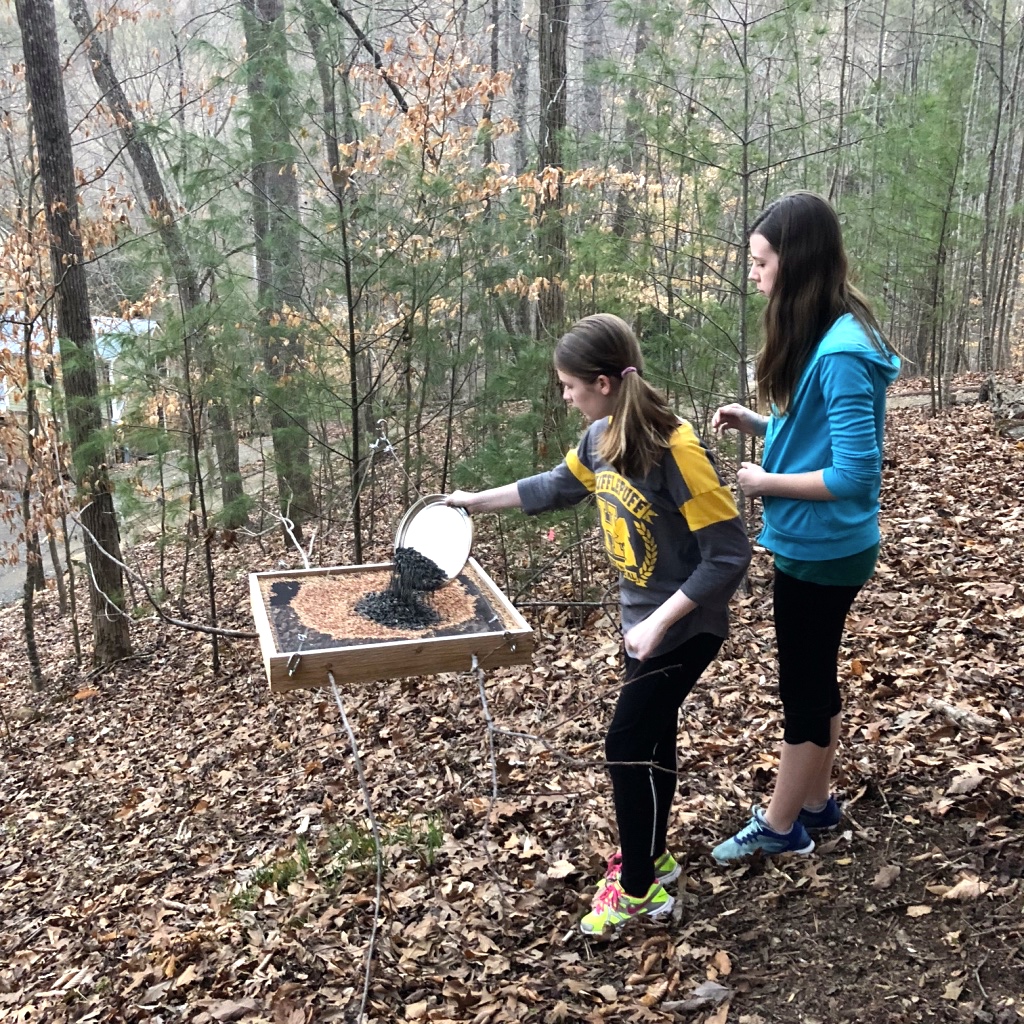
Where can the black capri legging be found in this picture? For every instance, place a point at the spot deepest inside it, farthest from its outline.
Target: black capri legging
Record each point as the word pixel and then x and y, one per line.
pixel 809 621
pixel 643 730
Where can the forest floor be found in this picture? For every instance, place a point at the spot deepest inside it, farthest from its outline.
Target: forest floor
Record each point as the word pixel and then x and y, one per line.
pixel 183 845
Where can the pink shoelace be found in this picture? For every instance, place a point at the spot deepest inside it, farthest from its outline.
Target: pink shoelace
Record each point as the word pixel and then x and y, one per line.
pixel 608 897
pixel 614 869
pixel 612 896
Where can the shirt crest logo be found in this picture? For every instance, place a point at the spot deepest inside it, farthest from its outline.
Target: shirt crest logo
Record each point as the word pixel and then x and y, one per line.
pixel 625 515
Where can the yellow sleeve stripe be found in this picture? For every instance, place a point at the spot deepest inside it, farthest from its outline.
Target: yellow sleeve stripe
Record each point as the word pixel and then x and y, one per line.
pixel 578 470
pixel 709 508
pixel 710 502
pixel 692 461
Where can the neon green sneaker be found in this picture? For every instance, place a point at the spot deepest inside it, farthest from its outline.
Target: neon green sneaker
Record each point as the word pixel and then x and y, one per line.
pixel 612 906
pixel 666 869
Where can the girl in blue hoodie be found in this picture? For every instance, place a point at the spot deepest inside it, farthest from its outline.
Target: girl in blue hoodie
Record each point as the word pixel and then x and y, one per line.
pixel 823 373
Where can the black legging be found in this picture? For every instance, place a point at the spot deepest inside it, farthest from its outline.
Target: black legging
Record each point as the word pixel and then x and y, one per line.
pixel 644 729
pixel 809 621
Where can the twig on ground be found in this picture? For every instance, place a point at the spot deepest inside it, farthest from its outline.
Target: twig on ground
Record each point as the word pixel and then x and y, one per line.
pixel 579 762
pixel 491 731
pixel 379 858
pixel 479 673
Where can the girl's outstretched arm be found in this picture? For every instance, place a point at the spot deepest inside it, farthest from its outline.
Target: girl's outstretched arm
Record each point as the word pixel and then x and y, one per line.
pixel 490 500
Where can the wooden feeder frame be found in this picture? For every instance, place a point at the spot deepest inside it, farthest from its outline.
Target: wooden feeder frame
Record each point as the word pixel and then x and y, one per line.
pixel 390 659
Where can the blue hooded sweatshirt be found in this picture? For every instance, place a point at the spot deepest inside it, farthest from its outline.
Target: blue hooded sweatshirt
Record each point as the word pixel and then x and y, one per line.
pixel 835 422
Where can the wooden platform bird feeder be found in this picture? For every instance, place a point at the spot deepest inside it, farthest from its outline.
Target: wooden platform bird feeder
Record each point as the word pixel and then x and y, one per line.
pixel 309 626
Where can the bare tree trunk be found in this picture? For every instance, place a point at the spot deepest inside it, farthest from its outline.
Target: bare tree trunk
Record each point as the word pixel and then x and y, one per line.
pixel 58 475
pixel 43 75
pixel 520 78
pixel 835 187
pixel 519 45
pixel 986 350
pixel 32 560
pixel 406 413
pixel 633 138
pixel 937 301
pixel 962 276
pixel 554 33
pixel 33 556
pixel 872 227
pixel 35 570
pixel 360 397
pixel 595 47
pixel 278 258
pixel 1005 259
pixel 488 113
pixel 1010 280
pixel 162 214
pixel 58 573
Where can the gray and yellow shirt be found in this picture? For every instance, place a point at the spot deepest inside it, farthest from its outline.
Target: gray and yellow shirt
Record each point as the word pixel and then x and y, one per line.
pixel 677 529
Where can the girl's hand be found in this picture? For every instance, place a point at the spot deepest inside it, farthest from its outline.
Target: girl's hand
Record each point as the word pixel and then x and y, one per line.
pixel 461 499
pixel 752 479
pixel 643 639
pixel 738 417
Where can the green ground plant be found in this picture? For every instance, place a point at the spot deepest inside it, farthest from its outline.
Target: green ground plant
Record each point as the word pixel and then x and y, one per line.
pixel 341 850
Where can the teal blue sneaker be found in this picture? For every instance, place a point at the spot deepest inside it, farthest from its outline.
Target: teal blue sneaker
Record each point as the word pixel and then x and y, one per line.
pixel 757 838
pixel 821 821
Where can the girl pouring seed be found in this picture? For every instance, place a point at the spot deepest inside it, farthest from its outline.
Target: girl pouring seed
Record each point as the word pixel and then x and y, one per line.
pixel 671 529
pixel 823 371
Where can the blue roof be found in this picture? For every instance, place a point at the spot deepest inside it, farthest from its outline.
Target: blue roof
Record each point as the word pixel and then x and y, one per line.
pixel 108 330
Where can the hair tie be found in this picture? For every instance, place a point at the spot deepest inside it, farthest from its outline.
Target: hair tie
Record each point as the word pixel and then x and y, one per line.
pixel 628 369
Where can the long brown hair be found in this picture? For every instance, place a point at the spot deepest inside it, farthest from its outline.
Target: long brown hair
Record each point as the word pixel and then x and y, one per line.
pixel 642 421
pixel 810 292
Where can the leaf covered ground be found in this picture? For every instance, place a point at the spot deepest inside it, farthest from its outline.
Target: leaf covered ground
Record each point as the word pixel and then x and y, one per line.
pixel 180 846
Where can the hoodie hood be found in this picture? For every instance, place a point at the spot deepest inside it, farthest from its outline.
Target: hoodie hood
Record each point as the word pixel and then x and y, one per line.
pixel 847 335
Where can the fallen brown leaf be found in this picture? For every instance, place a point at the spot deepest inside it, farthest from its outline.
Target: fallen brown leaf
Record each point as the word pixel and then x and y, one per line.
pixel 887 874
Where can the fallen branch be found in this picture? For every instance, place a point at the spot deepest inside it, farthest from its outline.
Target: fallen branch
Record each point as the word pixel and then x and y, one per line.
pixel 195 627
pixel 961 716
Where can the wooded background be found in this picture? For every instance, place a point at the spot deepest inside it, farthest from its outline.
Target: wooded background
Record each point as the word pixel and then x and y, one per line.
pixel 339 214
pixel 342 213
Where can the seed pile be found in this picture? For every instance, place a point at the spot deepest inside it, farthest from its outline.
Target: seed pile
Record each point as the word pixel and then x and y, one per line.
pixel 321 607
pixel 403 605
pixel 416 572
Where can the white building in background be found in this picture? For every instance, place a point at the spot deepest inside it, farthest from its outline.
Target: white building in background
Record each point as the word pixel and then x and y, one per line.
pixel 111 337
pixel 110 333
